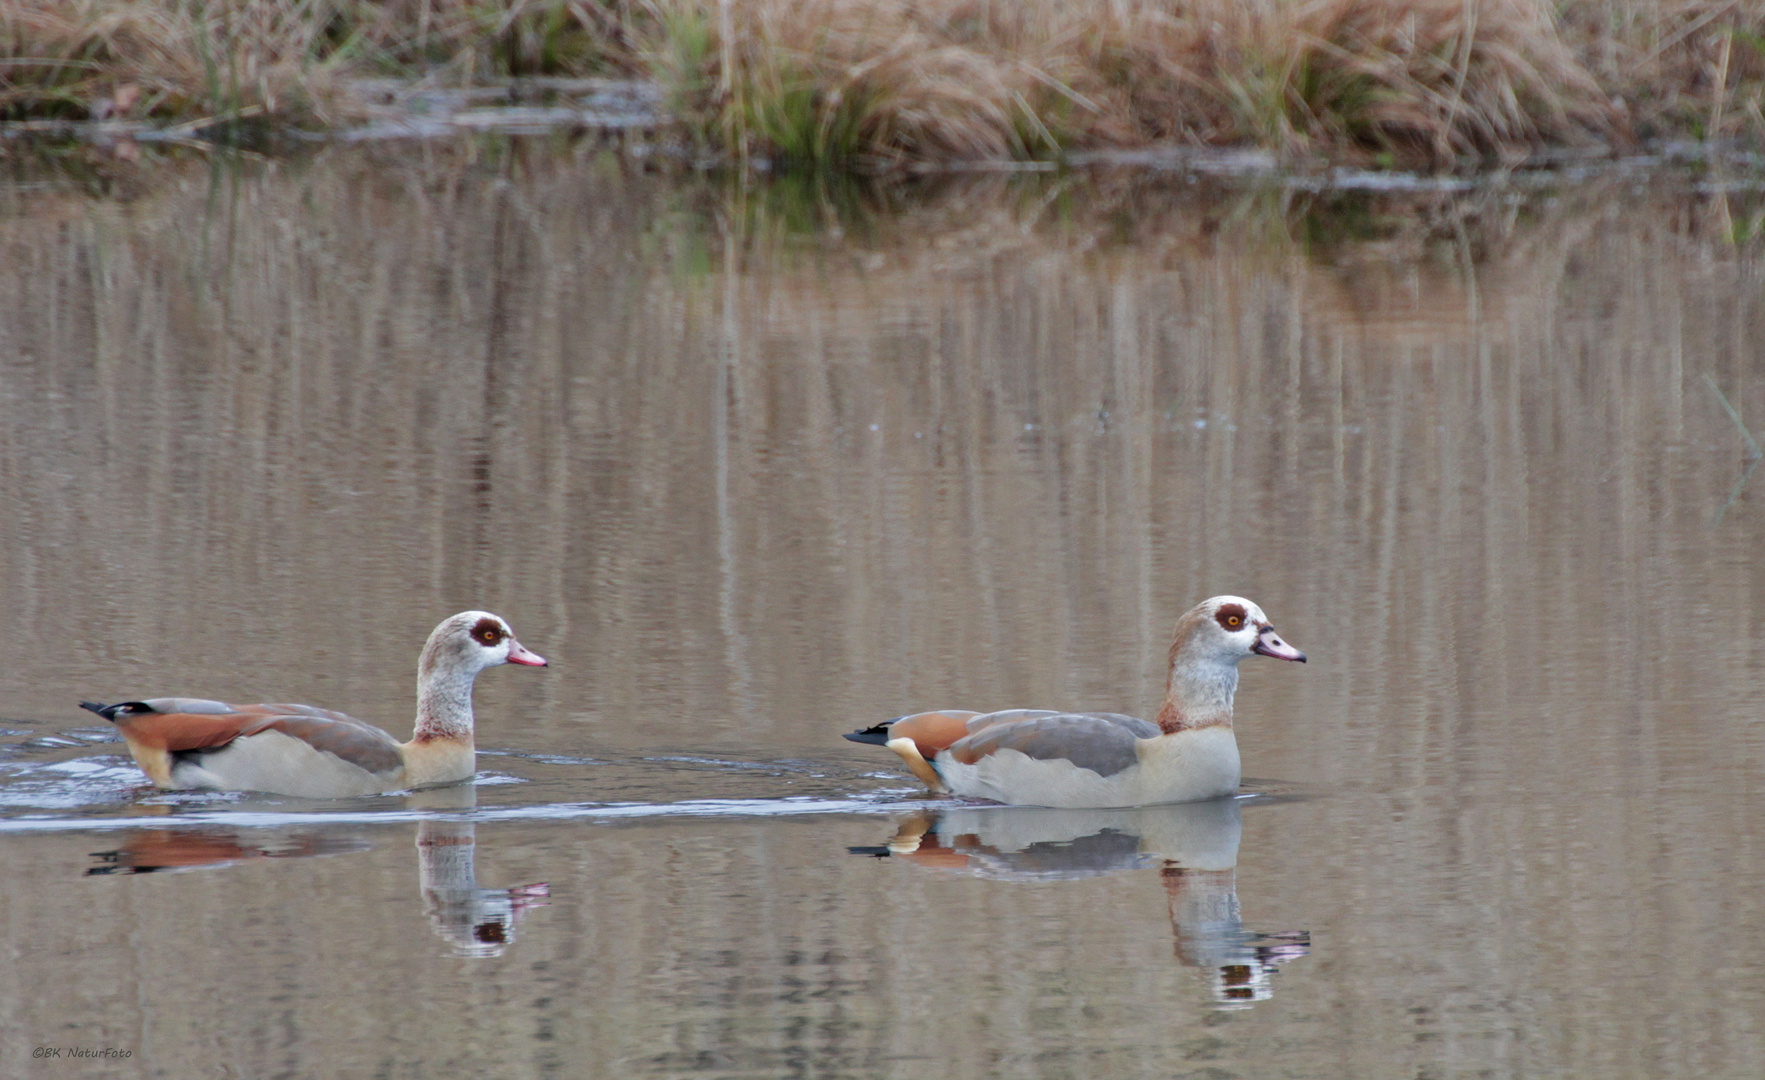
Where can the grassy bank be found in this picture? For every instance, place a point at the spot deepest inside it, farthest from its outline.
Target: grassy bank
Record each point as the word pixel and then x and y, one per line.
pixel 879 84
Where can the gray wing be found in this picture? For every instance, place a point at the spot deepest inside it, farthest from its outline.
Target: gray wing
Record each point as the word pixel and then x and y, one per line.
pixel 1101 742
pixel 201 726
pixel 355 741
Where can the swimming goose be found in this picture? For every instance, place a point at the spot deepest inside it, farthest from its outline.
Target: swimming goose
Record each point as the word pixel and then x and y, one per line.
pixel 1042 758
pixel 317 753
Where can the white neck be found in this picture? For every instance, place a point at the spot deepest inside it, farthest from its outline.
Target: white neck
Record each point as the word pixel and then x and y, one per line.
pixel 444 704
pixel 1199 693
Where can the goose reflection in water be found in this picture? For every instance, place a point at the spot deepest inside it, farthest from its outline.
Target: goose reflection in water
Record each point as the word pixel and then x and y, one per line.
pixel 473 921
pixel 152 851
pixel 1194 847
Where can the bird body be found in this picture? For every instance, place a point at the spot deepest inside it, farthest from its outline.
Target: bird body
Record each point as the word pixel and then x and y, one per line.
pixel 302 750
pixel 1045 758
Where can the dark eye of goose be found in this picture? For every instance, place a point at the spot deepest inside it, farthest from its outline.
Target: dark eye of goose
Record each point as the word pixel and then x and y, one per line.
pixel 1231 616
pixel 487 632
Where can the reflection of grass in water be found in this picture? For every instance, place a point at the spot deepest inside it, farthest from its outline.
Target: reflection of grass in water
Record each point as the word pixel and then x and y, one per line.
pixel 777 214
pixel 1344 217
pixel 1734 493
pixel 796 217
pixel 1752 444
pixel 1753 451
pixel 806 211
pixel 1323 223
pixel 814 205
pixel 806 204
pixel 803 205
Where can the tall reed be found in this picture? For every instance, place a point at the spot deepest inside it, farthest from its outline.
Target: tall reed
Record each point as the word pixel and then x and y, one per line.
pixel 880 84
pixel 289 58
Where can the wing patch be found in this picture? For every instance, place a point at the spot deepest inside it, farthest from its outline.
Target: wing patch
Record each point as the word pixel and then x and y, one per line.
pixel 1104 743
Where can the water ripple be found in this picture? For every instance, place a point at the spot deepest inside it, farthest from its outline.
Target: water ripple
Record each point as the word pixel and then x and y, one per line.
pixel 258 819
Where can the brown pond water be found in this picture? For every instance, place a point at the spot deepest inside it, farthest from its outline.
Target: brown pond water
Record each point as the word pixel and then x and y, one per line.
pixel 757 467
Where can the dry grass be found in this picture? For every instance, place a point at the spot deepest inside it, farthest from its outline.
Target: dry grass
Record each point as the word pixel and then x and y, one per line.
pixel 891 81
pixel 877 84
pixel 288 58
pixel 1680 68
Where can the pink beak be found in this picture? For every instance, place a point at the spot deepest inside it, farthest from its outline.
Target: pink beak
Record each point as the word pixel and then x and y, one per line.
pixel 1269 643
pixel 519 654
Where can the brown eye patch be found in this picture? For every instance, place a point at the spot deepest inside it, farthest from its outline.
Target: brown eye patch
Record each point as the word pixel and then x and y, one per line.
pixel 487 632
pixel 1231 616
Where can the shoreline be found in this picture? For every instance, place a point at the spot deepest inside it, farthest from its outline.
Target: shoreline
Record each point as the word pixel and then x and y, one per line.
pixel 882 86
pixel 650 138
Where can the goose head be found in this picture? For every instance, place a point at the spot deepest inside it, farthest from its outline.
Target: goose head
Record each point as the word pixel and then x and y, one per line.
pixel 457 650
pixel 1229 628
pixel 469 642
pixel 1211 638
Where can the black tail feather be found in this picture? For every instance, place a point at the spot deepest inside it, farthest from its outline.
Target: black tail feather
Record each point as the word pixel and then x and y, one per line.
pixel 111 712
pixel 878 734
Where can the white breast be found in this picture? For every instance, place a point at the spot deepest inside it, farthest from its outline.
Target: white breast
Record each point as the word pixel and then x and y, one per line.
pixel 1190 765
pixel 282 765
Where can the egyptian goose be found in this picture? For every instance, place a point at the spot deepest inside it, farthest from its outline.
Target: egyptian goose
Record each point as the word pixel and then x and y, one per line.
pixel 1042 758
pixel 317 753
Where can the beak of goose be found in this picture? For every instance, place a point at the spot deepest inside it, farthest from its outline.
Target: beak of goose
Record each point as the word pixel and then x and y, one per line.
pixel 1269 643
pixel 520 654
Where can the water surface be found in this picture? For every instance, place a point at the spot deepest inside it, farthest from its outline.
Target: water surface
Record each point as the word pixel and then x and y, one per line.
pixel 754 466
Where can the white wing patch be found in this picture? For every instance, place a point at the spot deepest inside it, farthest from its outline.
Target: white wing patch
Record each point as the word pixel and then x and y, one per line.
pixel 1184 767
pixel 281 765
